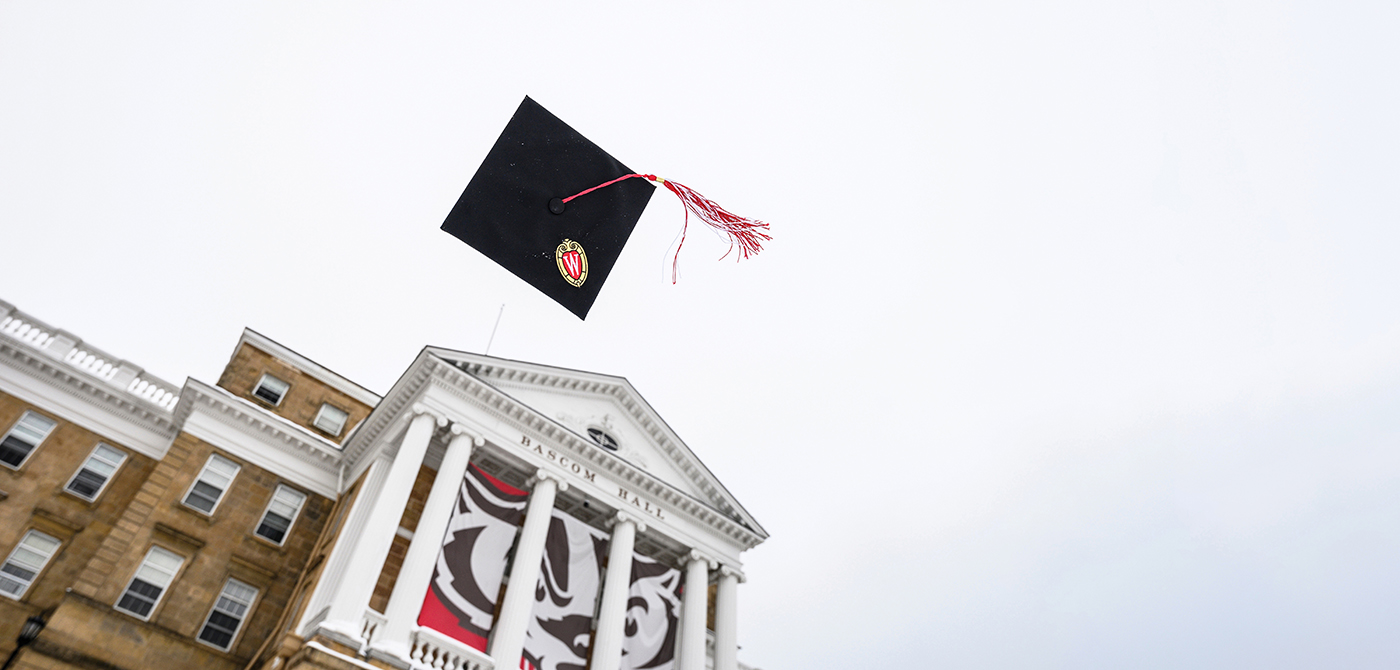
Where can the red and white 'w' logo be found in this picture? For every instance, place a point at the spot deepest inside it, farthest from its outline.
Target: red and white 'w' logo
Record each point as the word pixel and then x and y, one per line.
pixel 572 261
pixel 573 264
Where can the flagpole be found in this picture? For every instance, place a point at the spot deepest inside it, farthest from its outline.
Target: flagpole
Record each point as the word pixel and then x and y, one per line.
pixel 493 329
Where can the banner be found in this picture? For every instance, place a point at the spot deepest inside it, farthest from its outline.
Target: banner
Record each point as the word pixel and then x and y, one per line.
pixel 566 596
pixel 653 616
pixel 461 599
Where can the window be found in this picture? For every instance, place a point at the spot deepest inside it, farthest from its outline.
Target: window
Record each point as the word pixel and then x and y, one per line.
pixel 26 562
pixel 27 433
pixel 228 614
pixel 90 479
pixel 330 419
pixel 150 582
pixel 271 389
pixel 603 439
pixel 218 473
pixel 281 512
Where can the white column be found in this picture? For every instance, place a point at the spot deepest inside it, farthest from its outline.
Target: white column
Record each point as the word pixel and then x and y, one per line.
pixel 612 611
pixel 508 639
pixel 401 613
pixel 726 619
pixel 694 611
pixel 348 605
pixel 333 574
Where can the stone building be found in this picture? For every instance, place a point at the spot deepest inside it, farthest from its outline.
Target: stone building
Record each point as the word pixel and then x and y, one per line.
pixel 286 517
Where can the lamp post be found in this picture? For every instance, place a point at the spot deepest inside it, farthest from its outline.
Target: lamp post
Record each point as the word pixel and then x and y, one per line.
pixel 27 633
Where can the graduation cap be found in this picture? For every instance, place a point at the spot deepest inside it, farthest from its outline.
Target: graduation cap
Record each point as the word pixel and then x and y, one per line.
pixel 554 209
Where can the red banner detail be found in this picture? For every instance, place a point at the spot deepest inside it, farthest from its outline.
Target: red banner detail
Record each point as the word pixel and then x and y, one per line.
pixel 504 487
pixel 437 617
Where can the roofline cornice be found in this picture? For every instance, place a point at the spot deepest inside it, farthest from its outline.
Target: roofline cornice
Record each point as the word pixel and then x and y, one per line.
pixel 427 368
pixel 257 422
pixel 307 366
pixel 120 404
pixel 581 382
pixel 495 401
pixel 402 395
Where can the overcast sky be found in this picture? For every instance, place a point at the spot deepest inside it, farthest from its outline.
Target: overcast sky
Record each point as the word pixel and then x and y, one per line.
pixel 1077 344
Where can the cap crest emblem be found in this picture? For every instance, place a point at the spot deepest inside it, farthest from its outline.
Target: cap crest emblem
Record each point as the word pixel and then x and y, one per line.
pixel 572 261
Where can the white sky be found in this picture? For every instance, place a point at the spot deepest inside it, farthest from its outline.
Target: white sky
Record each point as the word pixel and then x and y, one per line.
pixel 1076 345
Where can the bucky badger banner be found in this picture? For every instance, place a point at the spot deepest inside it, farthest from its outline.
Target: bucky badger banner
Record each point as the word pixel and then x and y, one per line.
pixel 566 596
pixel 653 615
pixel 461 598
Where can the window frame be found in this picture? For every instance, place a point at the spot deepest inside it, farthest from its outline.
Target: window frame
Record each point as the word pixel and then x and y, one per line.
pixel 163 590
pixel 38 572
pixel 247 613
pixel 83 466
pixel 344 419
pixel 280 397
pixel 36 445
pixel 290 522
pixel 237 468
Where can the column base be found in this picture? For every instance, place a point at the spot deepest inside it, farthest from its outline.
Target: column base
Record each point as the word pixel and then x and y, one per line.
pixel 342 632
pixel 393 653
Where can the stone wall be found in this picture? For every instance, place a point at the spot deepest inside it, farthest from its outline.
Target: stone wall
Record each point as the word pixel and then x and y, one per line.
pixel 143 507
pixel 303 399
pixel 34 498
pixel 422 486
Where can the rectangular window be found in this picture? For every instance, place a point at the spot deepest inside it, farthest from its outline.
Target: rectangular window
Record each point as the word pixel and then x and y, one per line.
pixel 228 614
pixel 26 562
pixel 218 473
pixel 271 389
pixel 281 512
pixel 150 582
pixel 330 419
pixel 27 433
pixel 90 479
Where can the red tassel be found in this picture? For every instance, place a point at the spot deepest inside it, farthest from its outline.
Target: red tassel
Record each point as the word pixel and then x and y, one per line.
pixel 747 234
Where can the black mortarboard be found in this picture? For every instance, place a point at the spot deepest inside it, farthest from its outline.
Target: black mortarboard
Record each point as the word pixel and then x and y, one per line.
pixel 523 209
pixel 508 209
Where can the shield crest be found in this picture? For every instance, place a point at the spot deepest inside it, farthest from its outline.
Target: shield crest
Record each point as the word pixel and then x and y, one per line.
pixel 572 262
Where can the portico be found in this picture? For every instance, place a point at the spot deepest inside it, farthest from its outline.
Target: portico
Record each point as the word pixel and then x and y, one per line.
pixel 578 444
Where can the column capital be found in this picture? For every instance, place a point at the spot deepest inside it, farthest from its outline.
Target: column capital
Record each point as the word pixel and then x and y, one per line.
pixel 730 571
pixel 543 474
pixel 459 430
pixel 419 409
pixel 621 516
pixel 697 555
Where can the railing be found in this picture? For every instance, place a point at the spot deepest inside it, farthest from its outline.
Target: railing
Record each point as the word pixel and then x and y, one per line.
pixel 26 330
pixel 431 649
pixel 371 624
pixel 88 359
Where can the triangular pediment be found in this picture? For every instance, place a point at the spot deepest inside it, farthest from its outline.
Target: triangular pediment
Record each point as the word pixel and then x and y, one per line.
pixel 608 405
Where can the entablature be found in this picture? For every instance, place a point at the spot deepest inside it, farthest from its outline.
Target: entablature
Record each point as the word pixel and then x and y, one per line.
pixel 538 441
pixel 259 437
pixel 503 374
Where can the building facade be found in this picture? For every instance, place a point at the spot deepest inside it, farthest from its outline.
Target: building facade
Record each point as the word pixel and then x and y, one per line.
pixel 485 513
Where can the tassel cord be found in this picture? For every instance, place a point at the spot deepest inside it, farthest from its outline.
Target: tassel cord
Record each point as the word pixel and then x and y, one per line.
pixel 748 234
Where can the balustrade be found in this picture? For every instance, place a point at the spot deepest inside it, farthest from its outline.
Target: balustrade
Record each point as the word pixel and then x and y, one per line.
pixel 88 359
pixel 431 649
pixel 372 623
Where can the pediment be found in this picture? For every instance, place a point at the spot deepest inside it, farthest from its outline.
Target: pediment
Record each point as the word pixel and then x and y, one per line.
pixel 579 401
